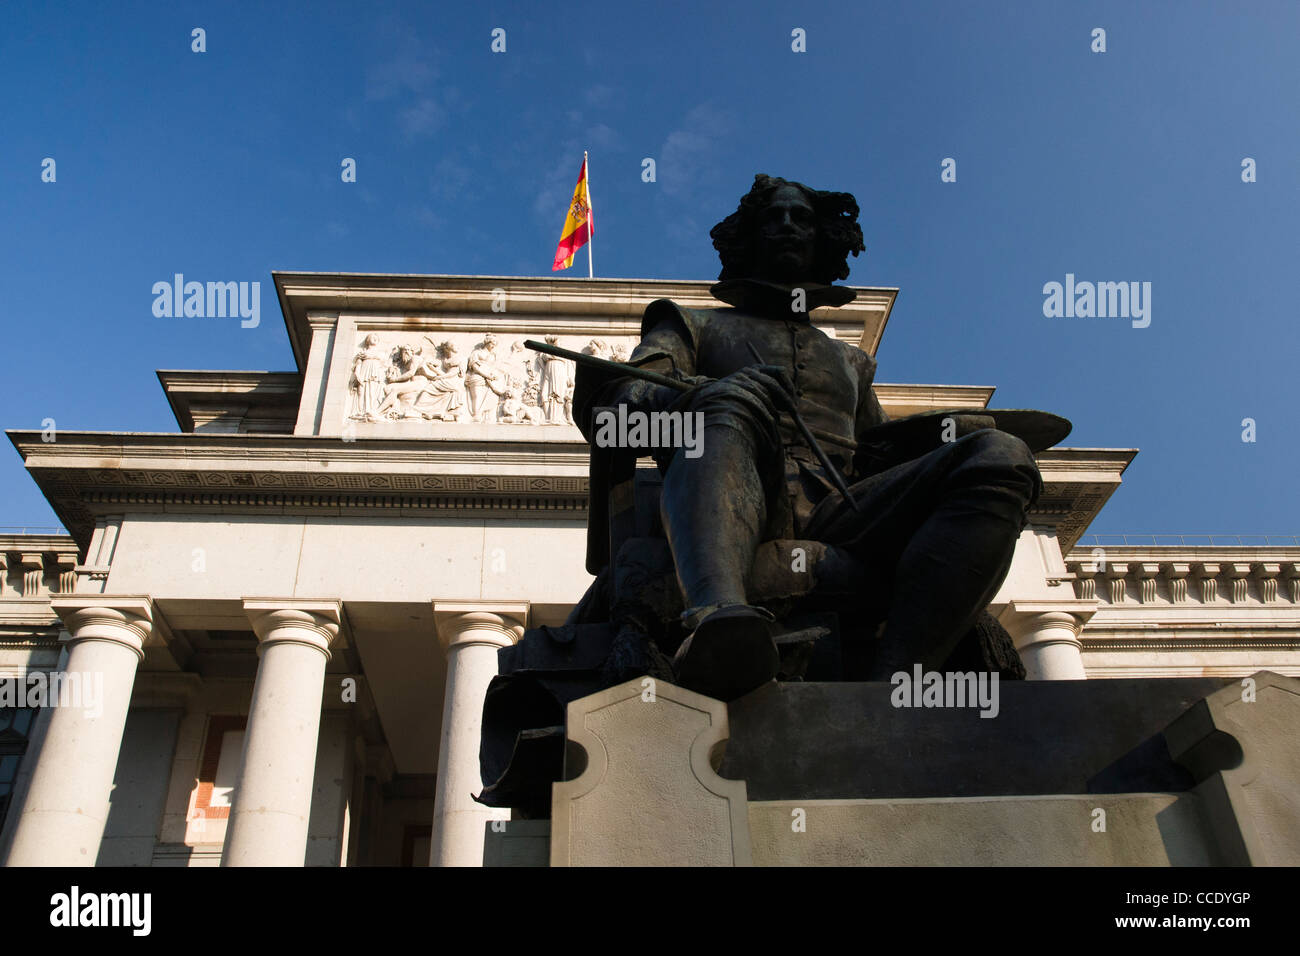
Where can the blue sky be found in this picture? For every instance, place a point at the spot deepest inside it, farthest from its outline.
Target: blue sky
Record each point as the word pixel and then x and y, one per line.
pixel 1115 166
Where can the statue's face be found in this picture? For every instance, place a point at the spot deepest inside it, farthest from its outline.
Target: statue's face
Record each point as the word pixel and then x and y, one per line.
pixel 786 244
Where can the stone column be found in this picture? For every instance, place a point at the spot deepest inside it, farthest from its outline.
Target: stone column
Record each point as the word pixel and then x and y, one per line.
pixel 272 801
pixel 1047 636
pixel 62 818
pixel 471 634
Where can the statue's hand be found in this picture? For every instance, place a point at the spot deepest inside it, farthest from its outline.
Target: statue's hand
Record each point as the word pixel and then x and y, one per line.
pixel 769 385
pixel 639 396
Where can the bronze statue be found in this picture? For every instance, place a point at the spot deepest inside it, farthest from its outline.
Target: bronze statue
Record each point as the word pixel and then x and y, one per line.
pixel 776 572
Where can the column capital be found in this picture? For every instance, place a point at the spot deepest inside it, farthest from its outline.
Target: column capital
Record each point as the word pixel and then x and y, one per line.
pixel 1046 634
pixel 1043 628
pixel 294 621
pixel 500 623
pixel 127 619
pixel 1021 613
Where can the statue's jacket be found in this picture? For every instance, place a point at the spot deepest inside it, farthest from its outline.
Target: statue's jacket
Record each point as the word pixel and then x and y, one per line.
pixel 832 382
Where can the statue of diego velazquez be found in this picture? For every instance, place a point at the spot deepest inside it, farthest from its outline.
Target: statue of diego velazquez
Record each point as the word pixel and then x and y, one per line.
pixel 941 527
pixel 703 591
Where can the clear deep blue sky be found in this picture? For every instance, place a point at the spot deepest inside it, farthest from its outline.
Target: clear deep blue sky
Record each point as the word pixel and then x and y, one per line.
pixel 1115 166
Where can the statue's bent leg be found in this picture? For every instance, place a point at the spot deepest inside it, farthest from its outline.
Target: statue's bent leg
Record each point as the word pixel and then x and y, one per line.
pixel 959 556
pixel 940 532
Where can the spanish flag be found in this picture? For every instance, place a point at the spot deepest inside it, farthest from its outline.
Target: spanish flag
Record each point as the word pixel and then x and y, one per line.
pixel 578 225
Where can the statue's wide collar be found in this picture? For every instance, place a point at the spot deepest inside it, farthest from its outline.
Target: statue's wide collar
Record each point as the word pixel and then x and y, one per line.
pixel 773 299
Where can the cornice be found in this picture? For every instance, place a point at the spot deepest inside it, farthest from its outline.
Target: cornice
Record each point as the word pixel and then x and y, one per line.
pixel 1124 554
pixel 1066 463
pixel 186 387
pixel 117 450
pixel 1077 483
pixel 226 380
pixel 899 400
pixel 534 297
pixel 58 543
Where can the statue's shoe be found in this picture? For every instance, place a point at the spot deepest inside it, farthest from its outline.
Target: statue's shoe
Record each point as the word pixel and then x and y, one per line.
pixel 731 652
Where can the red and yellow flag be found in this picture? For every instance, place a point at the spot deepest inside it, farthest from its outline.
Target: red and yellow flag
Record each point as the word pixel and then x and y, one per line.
pixel 578 225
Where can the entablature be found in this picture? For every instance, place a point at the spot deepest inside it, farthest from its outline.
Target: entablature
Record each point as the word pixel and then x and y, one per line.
pixel 90 474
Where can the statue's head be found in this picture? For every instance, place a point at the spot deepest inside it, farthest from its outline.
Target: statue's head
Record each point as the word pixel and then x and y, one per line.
pixel 786 232
pixel 446 351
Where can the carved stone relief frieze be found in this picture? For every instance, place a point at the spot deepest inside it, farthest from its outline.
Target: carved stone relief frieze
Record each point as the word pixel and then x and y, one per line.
pixel 464 377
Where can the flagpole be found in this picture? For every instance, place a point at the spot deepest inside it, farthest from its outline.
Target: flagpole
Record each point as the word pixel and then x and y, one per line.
pixel 591 214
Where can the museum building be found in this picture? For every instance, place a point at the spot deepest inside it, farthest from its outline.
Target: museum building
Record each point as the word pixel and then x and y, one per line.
pixel 276 626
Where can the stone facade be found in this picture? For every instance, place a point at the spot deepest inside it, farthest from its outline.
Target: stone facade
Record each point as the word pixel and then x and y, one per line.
pixel 295 601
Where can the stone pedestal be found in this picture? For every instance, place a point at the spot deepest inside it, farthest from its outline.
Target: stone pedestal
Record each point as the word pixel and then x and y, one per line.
pixel 1171 772
pixel 471 634
pixel 272 800
pixel 1242 746
pixel 61 822
pixel 648 794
